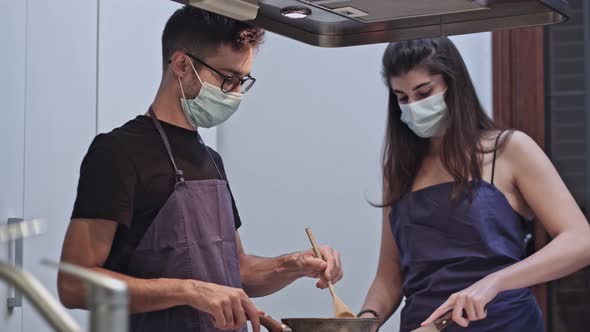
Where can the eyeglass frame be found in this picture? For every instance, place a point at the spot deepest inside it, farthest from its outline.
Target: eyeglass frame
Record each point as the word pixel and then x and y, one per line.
pixel 241 80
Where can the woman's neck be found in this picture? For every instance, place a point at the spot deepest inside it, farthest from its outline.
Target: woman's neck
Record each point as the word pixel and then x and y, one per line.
pixel 435 145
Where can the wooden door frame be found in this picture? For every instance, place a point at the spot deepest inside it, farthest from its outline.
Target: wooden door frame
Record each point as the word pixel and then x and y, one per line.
pixel 519 100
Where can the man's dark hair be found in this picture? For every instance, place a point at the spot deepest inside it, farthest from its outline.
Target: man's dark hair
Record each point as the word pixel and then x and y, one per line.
pixel 200 32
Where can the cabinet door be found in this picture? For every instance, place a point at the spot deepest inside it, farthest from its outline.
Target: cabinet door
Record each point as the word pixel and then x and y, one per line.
pixel 60 124
pixel 12 121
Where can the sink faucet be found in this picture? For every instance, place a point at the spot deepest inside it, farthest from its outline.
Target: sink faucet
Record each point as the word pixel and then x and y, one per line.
pixel 39 296
pixel 106 297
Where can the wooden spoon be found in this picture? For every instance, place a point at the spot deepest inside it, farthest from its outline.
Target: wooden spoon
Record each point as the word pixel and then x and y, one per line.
pixel 340 309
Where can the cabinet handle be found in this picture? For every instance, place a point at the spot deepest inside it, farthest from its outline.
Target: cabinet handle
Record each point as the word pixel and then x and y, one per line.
pixel 14 231
pixel 17 245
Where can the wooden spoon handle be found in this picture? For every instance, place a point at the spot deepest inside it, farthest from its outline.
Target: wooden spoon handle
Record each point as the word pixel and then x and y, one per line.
pixel 318 254
pixel 314 245
pixel 331 288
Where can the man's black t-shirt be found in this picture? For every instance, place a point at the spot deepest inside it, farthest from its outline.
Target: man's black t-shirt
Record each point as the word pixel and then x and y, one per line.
pixel 126 176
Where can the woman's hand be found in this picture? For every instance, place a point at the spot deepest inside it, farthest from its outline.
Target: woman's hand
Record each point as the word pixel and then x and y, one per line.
pixel 472 301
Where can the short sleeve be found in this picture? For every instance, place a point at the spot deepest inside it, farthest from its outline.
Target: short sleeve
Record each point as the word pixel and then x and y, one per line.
pixel 106 187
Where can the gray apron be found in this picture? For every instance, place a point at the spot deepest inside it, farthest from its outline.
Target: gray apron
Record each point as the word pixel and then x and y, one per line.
pixel 192 237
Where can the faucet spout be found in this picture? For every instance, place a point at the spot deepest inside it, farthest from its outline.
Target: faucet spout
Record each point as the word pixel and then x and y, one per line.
pixel 39 296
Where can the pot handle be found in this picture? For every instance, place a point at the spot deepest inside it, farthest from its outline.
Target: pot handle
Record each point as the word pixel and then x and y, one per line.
pixel 272 325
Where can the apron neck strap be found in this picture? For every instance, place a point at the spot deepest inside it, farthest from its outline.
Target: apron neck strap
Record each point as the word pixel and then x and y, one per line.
pixel 178 172
pixel 211 158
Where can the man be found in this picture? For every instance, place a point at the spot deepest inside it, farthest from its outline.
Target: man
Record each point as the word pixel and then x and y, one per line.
pixel 154 208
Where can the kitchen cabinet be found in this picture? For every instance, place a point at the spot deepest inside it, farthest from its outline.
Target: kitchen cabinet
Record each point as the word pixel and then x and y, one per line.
pixel 12 101
pixel 59 123
pixel 48 119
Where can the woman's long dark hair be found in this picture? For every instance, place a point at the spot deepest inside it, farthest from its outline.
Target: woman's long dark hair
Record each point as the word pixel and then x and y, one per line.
pixel 461 150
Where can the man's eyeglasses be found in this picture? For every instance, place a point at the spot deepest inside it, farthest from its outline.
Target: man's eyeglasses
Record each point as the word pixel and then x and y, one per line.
pixel 231 82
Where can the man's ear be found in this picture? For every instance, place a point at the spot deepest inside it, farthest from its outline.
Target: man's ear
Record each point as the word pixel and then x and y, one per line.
pixel 179 64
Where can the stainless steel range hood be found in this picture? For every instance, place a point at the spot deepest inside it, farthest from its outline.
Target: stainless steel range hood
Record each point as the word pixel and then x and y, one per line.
pixel 336 23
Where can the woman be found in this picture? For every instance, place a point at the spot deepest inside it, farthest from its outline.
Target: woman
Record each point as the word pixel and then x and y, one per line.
pixel 456 190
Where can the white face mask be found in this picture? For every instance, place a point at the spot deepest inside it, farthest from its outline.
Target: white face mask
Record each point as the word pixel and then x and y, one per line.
pixel 211 106
pixel 426 117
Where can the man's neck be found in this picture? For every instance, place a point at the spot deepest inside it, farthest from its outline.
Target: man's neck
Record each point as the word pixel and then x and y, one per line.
pixel 167 108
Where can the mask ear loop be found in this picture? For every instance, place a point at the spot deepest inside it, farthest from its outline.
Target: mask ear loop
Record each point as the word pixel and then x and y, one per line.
pixel 181 88
pixel 195 70
pixel 183 100
pixel 180 83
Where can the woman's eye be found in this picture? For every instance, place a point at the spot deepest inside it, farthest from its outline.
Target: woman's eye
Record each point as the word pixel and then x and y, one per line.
pixel 425 94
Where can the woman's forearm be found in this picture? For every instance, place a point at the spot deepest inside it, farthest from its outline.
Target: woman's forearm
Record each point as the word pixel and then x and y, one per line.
pixel 567 253
pixel 384 297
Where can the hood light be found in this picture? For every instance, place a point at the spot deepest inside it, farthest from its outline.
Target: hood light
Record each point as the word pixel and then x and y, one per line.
pixel 296 12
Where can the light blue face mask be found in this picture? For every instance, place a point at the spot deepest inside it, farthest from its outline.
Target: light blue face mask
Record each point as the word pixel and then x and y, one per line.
pixel 426 117
pixel 211 106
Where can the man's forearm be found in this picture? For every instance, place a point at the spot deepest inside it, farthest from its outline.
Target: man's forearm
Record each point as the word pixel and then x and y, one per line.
pixel 262 276
pixel 145 294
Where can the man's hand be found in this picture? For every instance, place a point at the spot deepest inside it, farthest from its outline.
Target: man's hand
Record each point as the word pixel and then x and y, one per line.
pixel 330 268
pixel 262 276
pixel 229 307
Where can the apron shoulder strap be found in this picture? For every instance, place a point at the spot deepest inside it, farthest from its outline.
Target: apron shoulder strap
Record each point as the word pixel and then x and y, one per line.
pixel 177 172
pixel 210 156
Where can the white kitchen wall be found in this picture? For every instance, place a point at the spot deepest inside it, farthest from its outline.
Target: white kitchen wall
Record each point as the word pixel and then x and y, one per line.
pixel 304 150
pixel 130 60
pixel 476 50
